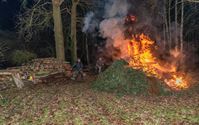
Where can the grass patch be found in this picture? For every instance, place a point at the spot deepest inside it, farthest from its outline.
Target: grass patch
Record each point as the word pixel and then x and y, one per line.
pixel 177 114
pixel 4 102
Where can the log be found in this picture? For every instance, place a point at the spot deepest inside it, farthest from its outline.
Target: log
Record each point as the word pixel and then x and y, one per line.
pixel 43 68
pixel 15 76
pixel 17 80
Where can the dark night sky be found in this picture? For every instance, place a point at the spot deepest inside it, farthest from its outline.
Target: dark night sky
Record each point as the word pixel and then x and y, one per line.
pixel 8 13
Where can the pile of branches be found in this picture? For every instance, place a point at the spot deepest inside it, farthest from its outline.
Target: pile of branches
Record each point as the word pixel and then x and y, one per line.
pixel 44 67
pixel 35 71
pixel 119 78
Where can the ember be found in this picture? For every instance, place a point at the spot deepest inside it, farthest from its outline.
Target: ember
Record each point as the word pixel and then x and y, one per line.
pixel 141 49
pixel 131 18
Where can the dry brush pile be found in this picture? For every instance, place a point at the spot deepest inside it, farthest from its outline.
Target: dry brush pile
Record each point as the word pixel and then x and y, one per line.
pixel 121 79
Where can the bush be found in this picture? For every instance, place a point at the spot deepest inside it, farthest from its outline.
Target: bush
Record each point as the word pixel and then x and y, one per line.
pixel 19 57
pixel 121 79
pixel 3 49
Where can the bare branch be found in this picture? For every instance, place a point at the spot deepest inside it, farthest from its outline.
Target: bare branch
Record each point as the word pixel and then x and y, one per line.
pixel 195 1
pixel 67 10
pixel 34 19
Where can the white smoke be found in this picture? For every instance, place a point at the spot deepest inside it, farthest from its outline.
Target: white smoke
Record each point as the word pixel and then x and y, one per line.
pixel 116 8
pixel 112 27
pixel 89 23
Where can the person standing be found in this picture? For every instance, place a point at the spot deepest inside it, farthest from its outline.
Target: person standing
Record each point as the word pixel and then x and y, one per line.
pixel 77 70
pixel 99 65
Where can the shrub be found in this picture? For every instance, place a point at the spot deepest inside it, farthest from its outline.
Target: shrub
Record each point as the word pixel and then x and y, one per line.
pixel 3 49
pixel 19 57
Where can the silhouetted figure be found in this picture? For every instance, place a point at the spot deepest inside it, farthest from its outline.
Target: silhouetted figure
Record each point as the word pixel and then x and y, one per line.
pixel 77 70
pixel 99 65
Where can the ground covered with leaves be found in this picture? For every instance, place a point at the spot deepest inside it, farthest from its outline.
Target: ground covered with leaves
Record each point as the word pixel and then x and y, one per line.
pixel 75 103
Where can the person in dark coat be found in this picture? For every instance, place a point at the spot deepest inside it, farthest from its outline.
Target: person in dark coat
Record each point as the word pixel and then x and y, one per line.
pixel 99 65
pixel 77 70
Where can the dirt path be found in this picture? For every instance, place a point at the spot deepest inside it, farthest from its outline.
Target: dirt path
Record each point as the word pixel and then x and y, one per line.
pixel 74 103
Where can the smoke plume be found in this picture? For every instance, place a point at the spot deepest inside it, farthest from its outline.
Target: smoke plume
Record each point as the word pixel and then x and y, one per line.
pixel 111 24
pixel 89 24
pixel 112 27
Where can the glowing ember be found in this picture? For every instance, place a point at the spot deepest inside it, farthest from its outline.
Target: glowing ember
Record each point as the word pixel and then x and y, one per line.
pixel 141 57
pixel 131 18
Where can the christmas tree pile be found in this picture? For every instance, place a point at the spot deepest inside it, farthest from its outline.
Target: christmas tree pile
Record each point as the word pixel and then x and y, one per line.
pixel 121 79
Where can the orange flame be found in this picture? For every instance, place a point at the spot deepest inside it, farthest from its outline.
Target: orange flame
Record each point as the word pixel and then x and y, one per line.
pixel 141 57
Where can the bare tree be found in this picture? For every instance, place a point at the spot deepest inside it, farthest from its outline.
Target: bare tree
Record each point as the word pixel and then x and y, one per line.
pixel 169 24
pixel 72 11
pixel 38 18
pixel 182 26
pixel 58 30
pixel 74 29
pixel 195 1
pixel 176 23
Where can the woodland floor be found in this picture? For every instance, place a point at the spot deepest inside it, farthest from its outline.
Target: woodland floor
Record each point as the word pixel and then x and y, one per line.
pixel 75 103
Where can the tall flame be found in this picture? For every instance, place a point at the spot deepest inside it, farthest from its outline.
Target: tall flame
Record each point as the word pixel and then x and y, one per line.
pixel 140 49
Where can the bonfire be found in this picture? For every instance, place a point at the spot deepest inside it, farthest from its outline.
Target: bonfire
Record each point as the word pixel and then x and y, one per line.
pixel 141 49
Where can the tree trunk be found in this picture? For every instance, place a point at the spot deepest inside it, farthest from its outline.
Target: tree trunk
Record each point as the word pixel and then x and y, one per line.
pixel 74 31
pixel 182 26
pixel 58 30
pixel 165 27
pixel 87 51
pixel 169 17
pixel 166 24
pixel 164 37
pixel 176 23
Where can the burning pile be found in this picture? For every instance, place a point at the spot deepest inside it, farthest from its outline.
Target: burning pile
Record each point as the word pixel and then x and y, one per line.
pixel 117 27
pixel 141 49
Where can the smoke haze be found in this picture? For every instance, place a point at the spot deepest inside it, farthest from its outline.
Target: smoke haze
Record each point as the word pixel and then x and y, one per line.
pixel 112 26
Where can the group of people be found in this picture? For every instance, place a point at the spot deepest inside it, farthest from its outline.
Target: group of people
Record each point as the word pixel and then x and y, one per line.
pixel 77 68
